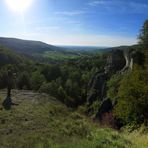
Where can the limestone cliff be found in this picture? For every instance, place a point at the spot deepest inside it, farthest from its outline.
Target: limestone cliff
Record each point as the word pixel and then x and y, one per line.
pixel 118 61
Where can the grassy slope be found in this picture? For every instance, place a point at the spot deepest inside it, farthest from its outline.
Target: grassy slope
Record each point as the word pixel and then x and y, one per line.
pixel 40 121
pixel 62 56
pixel 65 55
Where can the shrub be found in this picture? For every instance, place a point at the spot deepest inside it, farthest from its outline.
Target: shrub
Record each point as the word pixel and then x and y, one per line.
pixel 37 80
pixel 133 92
pixel 113 86
pixel 23 81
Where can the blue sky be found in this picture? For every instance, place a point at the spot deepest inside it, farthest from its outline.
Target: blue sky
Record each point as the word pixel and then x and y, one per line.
pixel 76 22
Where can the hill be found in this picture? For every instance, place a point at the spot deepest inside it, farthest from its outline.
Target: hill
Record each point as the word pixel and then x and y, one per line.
pixel 27 46
pixel 40 121
pixel 49 53
pixel 38 50
pixel 8 56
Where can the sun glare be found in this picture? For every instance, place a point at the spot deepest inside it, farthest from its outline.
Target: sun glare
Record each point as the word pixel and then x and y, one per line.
pixel 19 5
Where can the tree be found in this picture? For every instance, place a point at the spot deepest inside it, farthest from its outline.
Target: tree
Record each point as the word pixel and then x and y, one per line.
pixel 62 94
pixel 113 86
pixel 37 80
pixel 143 37
pixel 50 88
pixel 133 92
pixel 24 81
pixel 51 72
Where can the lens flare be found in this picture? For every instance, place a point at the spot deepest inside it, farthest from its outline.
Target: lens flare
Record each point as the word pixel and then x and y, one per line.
pixel 19 5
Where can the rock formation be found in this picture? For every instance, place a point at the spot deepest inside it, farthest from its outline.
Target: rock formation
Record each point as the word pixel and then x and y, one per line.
pixel 97 85
pixel 118 61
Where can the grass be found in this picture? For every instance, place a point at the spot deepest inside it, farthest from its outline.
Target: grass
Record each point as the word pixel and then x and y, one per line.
pixel 40 121
pixel 62 56
pixel 138 137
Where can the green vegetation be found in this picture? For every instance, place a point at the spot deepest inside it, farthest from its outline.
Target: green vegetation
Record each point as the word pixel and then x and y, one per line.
pixel 41 121
pixel 133 92
pixel 144 35
pixel 60 56
pixel 7 56
pixel 113 86
pixel 67 81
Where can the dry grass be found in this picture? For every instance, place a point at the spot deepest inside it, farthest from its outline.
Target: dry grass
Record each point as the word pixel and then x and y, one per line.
pixel 139 137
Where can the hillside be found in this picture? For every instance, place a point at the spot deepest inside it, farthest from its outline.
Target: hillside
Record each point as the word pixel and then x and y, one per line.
pixel 26 46
pixel 38 50
pixel 49 53
pixel 40 121
pixel 8 56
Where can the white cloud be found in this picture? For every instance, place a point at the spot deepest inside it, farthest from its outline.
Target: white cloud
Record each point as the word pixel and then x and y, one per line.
pixel 96 2
pixel 48 28
pixel 120 6
pixel 70 13
pixel 138 7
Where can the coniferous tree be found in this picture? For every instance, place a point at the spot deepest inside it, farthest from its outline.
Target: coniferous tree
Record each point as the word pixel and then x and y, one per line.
pixel 144 35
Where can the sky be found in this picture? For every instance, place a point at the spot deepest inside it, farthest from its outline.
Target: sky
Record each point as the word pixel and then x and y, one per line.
pixel 75 22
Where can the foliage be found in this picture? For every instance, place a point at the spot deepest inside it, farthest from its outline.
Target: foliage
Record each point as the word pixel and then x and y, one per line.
pixel 23 81
pixel 62 94
pixel 37 80
pixel 144 35
pixel 66 81
pixel 42 121
pixel 113 86
pixel 4 76
pixel 133 92
pixel 51 72
pixel 60 56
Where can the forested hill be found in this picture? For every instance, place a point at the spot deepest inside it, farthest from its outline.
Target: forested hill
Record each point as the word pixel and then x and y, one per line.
pixel 27 46
pixel 8 56
pixel 39 50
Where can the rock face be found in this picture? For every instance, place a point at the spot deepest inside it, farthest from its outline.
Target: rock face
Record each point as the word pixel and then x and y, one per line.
pixel 105 107
pixel 97 85
pixel 118 61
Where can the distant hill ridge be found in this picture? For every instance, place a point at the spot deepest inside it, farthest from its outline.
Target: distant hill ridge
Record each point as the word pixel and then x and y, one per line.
pixel 25 46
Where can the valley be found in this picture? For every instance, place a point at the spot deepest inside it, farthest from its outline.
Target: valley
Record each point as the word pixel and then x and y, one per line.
pixel 73 97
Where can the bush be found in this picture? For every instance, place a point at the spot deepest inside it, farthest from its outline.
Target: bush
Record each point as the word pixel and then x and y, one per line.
pixel 24 81
pixel 37 80
pixel 44 88
pixel 133 92
pixel 113 86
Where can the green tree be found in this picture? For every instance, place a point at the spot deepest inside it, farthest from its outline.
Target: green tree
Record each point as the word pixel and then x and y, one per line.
pixel 144 35
pixel 50 88
pixel 44 88
pixel 133 92
pixel 4 78
pixel 23 81
pixel 62 94
pixel 113 86
pixel 51 72
pixel 37 80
